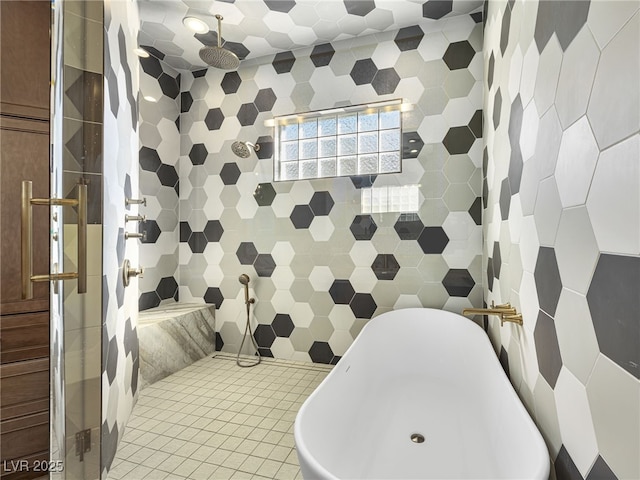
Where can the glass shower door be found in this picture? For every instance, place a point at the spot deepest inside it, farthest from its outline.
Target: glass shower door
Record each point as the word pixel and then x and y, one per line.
pixel 76 243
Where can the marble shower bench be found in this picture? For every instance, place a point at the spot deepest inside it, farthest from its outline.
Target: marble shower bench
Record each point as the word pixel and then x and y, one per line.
pixel 172 337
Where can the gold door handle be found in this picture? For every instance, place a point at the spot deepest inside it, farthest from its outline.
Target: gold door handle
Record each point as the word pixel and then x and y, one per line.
pixel 26 237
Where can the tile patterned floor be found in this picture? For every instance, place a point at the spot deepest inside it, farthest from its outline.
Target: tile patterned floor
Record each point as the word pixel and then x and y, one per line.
pixel 215 420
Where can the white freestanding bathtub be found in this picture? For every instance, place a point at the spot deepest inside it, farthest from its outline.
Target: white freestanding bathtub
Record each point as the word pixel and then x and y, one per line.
pixel 418 372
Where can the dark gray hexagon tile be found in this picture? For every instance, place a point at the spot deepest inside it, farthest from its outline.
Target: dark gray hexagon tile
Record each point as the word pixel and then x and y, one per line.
pixel 148 300
pixel 213 295
pixel 149 159
pixel 231 82
pixel 264 265
pixel 283 6
pixel 436 9
pixel 321 203
pixel 341 292
pixel 490 275
pixel 185 231
pixel 247 114
pixel 497 260
pixel 264 194
pixel 614 303
pixel 564 466
pixel 547 278
pixel 475 124
pixel 490 70
pixel 458 55
pixel 238 48
pixel 505 199
pixel 322 54
pixel 283 62
pixel 213 230
pixel 167 288
pixel 363 305
pixel 301 216
pixel 408 226
pixel 282 325
pixel 150 230
pixel 409 38
pixel 169 86
pixel 385 81
pixel 363 181
pixel 504 360
pixel 246 253
pixel 458 282
pixel 198 154
pixel 167 175
pixel 363 227
pixel 433 240
pixel 360 8
pixel 564 18
pixel 504 30
pixel 151 66
pixel 363 71
pixel 497 107
pixel 230 173
pixel 197 242
pixel 266 147
pixel 385 266
pixel 265 100
pixel 411 145
pixel 186 100
pixel 214 118
pixel 475 211
pixel 600 471
pixel 320 352
pixel 546 340
pixel 264 335
pixel 458 140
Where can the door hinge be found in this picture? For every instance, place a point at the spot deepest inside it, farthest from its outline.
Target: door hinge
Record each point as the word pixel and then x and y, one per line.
pixel 83 443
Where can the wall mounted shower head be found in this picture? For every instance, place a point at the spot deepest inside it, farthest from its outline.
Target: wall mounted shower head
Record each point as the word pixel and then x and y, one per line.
pixel 243 149
pixel 244 279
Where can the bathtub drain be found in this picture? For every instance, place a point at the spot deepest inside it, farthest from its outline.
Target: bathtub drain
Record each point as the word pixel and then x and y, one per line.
pixel 417 438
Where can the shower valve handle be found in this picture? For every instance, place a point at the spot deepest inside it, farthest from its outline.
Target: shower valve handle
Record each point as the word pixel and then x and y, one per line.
pixel 128 272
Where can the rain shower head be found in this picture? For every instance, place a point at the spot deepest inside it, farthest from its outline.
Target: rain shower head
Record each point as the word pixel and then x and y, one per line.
pixel 243 149
pixel 244 279
pixel 217 56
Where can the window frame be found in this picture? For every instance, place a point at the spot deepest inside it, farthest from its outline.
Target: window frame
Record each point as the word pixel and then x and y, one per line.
pixel 306 139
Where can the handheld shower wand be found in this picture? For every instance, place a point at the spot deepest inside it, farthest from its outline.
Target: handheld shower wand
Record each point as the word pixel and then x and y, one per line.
pixel 244 280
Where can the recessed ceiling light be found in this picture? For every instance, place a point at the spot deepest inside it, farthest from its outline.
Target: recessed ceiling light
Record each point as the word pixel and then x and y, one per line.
pixel 195 24
pixel 149 98
pixel 414 151
pixel 141 52
pixel 413 140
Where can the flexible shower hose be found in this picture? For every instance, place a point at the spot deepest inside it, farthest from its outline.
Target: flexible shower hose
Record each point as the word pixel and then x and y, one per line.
pixel 247 328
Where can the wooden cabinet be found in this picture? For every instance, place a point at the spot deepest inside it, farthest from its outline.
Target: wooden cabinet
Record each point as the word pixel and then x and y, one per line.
pixel 24 79
pixel 24 155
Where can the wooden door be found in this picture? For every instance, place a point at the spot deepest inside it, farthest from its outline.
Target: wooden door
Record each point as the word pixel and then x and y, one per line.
pixel 24 155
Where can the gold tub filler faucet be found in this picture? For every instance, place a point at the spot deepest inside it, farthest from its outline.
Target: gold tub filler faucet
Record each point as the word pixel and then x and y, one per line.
pixel 505 311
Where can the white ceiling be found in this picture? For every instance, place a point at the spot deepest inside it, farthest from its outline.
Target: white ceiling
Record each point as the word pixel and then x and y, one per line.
pixel 255 28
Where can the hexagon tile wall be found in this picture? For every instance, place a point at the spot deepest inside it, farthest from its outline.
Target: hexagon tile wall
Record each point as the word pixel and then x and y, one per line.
pixel 160 104
pixel 120 360
pixel 314 257
pixel 562 222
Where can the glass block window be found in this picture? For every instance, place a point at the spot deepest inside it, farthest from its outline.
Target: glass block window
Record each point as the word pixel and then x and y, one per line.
pixel 400 198
pixel 356 140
